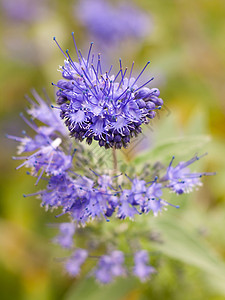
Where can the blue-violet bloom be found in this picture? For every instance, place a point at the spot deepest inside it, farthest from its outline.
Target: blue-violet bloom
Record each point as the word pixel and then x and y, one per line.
pixel 99 106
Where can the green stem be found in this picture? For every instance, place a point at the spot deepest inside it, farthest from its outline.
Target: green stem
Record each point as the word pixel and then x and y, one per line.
pixel 115 165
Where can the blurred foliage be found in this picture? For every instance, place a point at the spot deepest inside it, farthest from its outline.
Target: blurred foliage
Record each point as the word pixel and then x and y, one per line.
pixel 187 53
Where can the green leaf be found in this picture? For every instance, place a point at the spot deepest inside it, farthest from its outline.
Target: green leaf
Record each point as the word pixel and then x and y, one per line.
pixel 181 241
pixel 182 146
pixel 197 123
pixel 89 289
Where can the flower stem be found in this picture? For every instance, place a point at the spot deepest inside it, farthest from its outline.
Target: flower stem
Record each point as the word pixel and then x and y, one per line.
pixel 115 165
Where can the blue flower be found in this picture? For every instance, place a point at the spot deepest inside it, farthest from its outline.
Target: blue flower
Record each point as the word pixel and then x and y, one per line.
pixel 47 159
pixel 153 201
pixel 58 192
pixel 79 198
pixel 180 178
pixel 24 10
pixel 100 106
pixel 110 24
pixel 96 106
pixel 141 269
pixel 51 129
pixel 47 156
pixel 27 143
pixel 42 111
pixel 74 263
pixel 65 238
pixel 138 190
pixel 110 266
pixel 126 209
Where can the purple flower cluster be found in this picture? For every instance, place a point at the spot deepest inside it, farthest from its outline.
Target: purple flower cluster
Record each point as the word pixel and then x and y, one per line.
pixel 65 238
pixel 110 266
pixel 93 196
pixel 46 155
pixel 141 269
pixel 111 24
pixel 98 106
pixel 24 10
pixel 180 177
pixel 74 263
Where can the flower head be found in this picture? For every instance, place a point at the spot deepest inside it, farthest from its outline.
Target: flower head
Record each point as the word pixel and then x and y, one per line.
pixel 96 106
pixel 100 106
pixel 41 110
pixel 24 10
pixel 110 266
pixel 109 23
pixel 74 263
pixel 65 238
pixel 181 179
pixel 141 269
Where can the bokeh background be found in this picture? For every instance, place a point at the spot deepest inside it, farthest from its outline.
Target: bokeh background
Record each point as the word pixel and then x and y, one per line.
pixel 185 43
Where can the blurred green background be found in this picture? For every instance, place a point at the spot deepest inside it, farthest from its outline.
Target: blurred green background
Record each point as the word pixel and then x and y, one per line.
pixel 187 51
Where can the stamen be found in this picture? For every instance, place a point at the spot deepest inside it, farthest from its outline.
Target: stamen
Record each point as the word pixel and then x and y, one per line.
pixel 90 82
pixel 90 90
pixel 144 84
pixel 19 157
pixel 117 75
pixel 31 125
pixel 96 75
pixel 42 171
pixel 117 175
pixel 73 154
pixel 170 164
pixel 54 39
pixel 94 172
pixel 128 177
pixel 128 99
pixel 76 47
pixel 110 86
pixel 72 63
pixel 49 164
pixel 99 68
pixel 110 69
pixel 20 166
pixel 30 100
pixel 52 106
pixel 92 59
pixel 122 94
pixel 121 68
pixel 15 138
pixel 141 73
pixel 33 194
pixel 89 53
pixel 82 58
pixel 194 175
pixel 46 95
pixel 122 77
pixel 131 70
pixel 37 97
pixel 153 181
pixel 176 206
